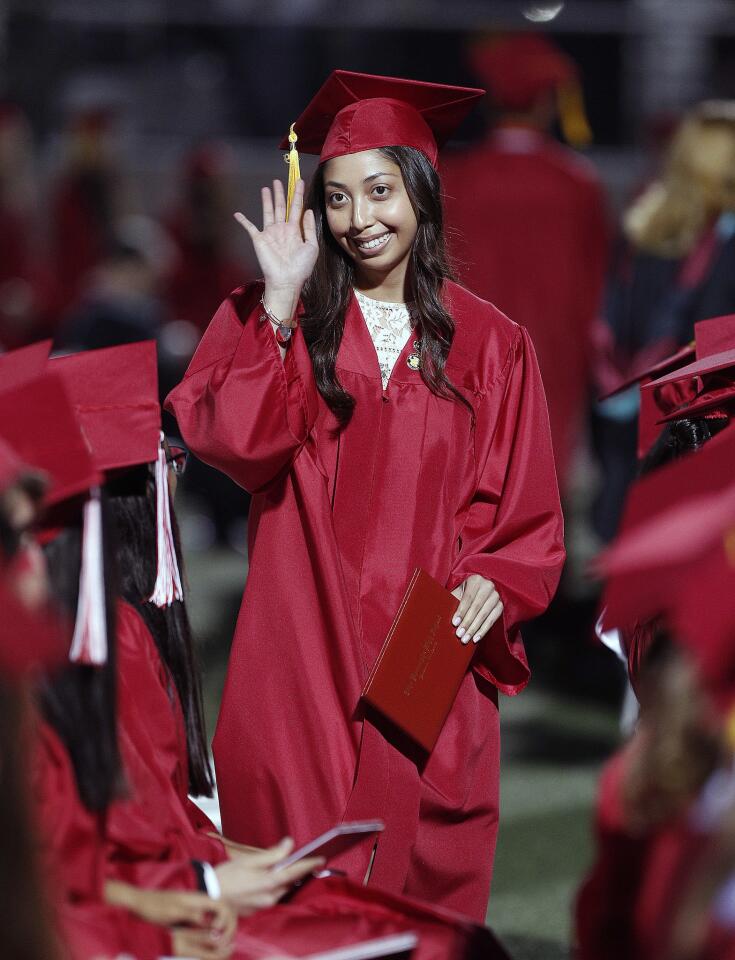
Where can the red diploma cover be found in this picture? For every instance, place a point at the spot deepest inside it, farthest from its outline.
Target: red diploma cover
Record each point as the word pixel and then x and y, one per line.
pixel 419 670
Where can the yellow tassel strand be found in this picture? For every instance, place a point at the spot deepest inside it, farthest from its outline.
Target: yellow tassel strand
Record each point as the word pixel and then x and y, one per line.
pixel 294 173
pixel 574 123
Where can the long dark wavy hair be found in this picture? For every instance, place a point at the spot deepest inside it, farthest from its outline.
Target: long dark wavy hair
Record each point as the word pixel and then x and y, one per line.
pixel 133 512
pixel 326 294
pixel 80 702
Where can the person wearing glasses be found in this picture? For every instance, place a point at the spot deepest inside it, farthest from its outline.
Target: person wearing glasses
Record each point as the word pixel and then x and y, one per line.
pixel 383 418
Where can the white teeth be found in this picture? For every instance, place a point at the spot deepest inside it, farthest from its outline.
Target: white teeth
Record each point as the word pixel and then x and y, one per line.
pixel 377 242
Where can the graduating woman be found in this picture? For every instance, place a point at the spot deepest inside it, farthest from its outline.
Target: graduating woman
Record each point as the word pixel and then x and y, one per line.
pixel 383 418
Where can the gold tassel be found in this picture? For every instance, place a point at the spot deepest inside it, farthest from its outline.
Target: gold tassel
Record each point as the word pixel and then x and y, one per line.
pixel 294 173
pixel 574 123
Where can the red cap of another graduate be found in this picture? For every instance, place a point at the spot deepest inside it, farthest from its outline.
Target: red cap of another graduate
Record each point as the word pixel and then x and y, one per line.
pixel 352 112
pixel 114 392
pixel 671 516
pixel 17 366
pixel 703 388
pixel 115 395
pixel 518 68
pixel 37 420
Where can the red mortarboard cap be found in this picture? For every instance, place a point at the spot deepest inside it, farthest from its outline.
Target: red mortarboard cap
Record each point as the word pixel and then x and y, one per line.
pixel 518 68
pixel 114 392
pixel 695 389
pixel 115 396
pixel 11 466
pixel 652 370
pixel 37 420
pixel 687 494
pixel 17 366
pixel 714 335
pixel 352 112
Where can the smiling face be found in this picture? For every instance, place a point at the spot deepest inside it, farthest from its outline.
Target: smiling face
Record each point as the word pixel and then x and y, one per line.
pixel 370 215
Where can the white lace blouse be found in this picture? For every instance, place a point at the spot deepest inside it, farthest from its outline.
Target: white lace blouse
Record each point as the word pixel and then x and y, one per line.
pixel 390 326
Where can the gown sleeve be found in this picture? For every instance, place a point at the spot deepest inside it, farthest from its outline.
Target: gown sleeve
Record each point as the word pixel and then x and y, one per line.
pixel 513 533
pixel 240 407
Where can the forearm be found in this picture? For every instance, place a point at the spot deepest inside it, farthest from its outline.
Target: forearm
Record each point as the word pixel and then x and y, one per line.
pixel 119 894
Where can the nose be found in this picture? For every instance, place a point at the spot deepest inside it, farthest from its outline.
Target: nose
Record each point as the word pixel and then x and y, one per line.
pixel 362 215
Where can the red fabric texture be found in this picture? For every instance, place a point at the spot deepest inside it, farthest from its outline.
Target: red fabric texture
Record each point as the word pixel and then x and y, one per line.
pixel 74 859
pixel 627 906
pixel 345 520
pixel 529 233
pixel 326 914
pixel 155 832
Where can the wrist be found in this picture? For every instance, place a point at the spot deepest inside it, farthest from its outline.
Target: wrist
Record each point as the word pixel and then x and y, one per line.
pixel 282 302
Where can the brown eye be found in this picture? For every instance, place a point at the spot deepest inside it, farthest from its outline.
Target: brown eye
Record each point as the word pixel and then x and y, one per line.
pixel 381 190
pixel 336 198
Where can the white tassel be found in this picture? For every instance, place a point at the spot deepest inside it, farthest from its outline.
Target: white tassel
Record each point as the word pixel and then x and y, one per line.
pixel 168 580
pixel 89 643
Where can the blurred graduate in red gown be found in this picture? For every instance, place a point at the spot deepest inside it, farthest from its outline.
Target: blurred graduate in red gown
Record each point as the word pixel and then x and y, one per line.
pixel 203 270
pixel 84 204
pixel 529 217
pixel 384 418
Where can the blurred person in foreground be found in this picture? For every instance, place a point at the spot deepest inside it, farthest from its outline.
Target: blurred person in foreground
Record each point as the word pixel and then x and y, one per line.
pixel 29 636
pixel 675 265
pixel 528 221
pixel 666 796
pixel 685 400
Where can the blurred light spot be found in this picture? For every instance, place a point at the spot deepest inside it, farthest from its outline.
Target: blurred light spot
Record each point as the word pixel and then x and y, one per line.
pixel 543 12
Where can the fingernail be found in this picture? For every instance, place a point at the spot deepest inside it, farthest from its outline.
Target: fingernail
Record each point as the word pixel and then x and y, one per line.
pixel 465 640
pixel 456 621
pixel 461 632
pixel 476 638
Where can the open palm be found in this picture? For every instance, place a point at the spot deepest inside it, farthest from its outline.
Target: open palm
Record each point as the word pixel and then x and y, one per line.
pixel 286 256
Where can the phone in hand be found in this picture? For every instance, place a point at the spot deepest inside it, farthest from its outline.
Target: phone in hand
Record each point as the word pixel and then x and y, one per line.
pixel 333 842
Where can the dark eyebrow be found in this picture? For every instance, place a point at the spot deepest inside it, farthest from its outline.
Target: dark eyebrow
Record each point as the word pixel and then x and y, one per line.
pixel 373 176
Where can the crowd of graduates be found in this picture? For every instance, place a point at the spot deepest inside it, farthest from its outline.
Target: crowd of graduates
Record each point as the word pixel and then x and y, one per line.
pixel 102 739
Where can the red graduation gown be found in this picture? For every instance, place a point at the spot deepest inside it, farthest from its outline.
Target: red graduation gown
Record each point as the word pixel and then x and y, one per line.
pixel 150 836
pixel 154 833
pixel 527 222
pixel 337 525
pixel 73 851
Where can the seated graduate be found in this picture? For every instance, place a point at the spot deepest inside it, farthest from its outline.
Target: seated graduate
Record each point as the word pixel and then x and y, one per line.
pixel 665 799
pixel 76 774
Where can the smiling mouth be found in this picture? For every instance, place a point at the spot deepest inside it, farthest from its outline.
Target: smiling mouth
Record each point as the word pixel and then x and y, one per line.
pixel 374 243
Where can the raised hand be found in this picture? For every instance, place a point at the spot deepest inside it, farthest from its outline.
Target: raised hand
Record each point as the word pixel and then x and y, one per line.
pixel 286 257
